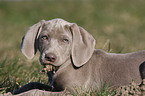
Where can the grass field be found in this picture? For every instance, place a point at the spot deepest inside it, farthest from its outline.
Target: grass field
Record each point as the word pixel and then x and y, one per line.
pixel 117 25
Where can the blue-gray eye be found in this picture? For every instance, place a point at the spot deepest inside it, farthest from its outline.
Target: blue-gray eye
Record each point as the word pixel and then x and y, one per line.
pixel 44 37
pixel 65 40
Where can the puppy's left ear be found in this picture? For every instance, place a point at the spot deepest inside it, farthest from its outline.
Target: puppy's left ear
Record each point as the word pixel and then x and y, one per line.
pixel 83 45
pixel 28 44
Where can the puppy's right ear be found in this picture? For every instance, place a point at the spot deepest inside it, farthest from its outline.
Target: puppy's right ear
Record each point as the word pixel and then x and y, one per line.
pixel 28 44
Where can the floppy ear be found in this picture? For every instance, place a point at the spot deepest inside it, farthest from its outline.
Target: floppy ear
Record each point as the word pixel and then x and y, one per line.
pixel 28 44
pixel 83 45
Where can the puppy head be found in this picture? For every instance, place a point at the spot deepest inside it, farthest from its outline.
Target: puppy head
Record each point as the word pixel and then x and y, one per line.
pixel 57 41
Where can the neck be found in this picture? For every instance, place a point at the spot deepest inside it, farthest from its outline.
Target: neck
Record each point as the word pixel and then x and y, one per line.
pixel 64 65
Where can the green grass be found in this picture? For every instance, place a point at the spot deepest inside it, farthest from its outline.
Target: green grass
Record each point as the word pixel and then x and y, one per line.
pixel 15 73
pixel 103 91
pixel 117 26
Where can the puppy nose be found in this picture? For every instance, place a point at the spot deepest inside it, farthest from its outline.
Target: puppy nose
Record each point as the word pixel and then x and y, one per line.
pixel 50 57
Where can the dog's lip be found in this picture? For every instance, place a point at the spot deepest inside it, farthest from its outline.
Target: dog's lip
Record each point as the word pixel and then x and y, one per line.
pixel 48 63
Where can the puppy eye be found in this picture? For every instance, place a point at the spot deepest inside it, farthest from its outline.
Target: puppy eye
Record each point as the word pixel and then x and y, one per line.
pixel 65 40
pixel 44 38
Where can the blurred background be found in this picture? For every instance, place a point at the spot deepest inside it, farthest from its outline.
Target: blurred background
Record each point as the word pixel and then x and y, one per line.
pixel 117 25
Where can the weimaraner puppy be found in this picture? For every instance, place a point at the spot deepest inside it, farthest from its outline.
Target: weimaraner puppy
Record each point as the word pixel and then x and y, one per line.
pixel 74 62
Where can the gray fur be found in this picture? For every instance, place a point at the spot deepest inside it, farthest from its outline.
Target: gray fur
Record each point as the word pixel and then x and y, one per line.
pixel 80 65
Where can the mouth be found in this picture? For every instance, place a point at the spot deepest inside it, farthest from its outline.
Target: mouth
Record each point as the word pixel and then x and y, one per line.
pixel 49 67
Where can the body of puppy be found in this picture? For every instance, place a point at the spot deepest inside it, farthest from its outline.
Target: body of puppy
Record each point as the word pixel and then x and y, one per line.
pixel 70 52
